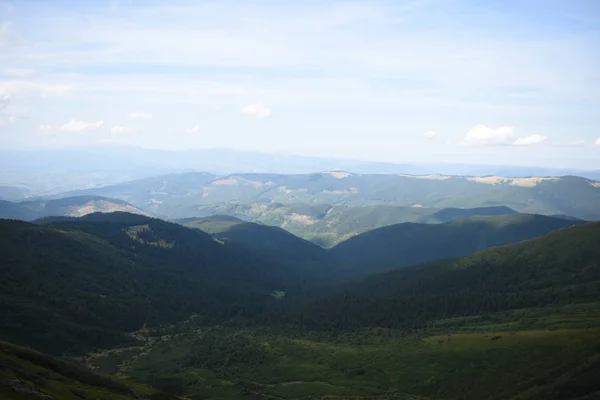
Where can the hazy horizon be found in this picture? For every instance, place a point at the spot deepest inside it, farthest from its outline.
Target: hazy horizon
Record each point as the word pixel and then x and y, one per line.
pixel 131 149
pixel 474 82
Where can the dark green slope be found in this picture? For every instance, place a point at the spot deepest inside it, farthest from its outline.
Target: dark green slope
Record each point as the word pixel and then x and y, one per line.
pixel 79 284
pixel 269 240
pixel 562 267
pixel 28 375
pixel 342 222
pixel 450 214
pixel 408 244
pixel 328 225
pixel 213 224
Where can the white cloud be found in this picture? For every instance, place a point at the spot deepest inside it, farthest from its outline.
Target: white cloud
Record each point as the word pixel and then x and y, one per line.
pixel 122 130
pixel 322 72
pixel 258 110
pixel 140 115
pixel 194 129
pixel 430 134
pixel 530 140
pixel 73 125
pixel 18 72
pixel 481 135
pixel 597 142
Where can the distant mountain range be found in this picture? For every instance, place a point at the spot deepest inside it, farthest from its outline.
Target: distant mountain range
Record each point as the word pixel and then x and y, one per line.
pixel 69 206
pixel 43 172
pixel 329 207
pixel 203 194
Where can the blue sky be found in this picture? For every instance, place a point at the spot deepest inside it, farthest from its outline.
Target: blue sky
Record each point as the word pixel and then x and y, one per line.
pixel 506 82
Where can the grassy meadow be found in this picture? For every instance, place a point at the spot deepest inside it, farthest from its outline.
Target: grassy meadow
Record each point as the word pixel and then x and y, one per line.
pixel 524 354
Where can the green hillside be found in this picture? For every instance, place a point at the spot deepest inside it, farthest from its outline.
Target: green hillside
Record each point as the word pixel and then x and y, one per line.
pixel 408 244
pixel 169 306
pixel 213 224
pixel 29 375
pixel 519 322
pixel 343 222
pixel 75 285
pixel 329 225
pixel 547 353
pixel 271 240
pixel 556 269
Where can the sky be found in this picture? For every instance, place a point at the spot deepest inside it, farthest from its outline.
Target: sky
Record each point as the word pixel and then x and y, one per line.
pixel 498 81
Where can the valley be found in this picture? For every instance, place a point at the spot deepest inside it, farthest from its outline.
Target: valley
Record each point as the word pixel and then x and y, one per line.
pixel 223 308
pixel 435 362
pixel 325 208
pixel 279 200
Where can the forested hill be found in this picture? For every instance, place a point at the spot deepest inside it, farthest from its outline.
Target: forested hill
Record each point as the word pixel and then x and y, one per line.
pixel 409 243
pixel 84 283
pixel 561 267
pixel 265 239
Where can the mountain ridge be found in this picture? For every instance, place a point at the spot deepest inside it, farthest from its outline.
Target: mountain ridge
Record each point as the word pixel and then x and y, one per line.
pixel 75 206
pixel 191 195
pixel 410 243
pixel 559 268
pixel 104 275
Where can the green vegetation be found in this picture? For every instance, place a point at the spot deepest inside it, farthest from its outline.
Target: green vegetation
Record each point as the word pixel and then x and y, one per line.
pixel 533 354
pixel 252 312
pixel 199 194
pixel 26 374
pixel 73 285
pixel 214 224
pixel 271 240
pixel 409 244
pixel 559 268
pixel 328 225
